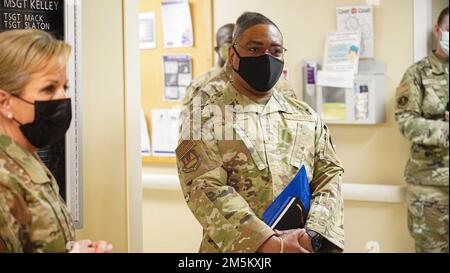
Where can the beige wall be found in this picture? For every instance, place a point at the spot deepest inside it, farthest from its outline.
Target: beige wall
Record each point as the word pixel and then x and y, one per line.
pixel 371 154
pixel 169 226
pixel 437 7
pixel 105 203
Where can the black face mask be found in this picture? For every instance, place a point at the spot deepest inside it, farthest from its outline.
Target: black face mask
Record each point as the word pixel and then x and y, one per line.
pixel 51 121
pixel 261 73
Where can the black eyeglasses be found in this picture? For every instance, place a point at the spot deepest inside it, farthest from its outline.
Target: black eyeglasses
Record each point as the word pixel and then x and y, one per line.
pixel 256 50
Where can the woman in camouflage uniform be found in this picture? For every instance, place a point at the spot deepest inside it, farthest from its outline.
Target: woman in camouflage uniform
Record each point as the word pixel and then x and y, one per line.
pixel 34 112
pixel 422 115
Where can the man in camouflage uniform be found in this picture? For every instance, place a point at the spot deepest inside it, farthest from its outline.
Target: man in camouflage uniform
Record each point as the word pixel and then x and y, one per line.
pixel 422 116
pixel 241 150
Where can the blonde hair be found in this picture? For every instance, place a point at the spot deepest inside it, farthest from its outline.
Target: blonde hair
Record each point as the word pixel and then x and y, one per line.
pixel 25 52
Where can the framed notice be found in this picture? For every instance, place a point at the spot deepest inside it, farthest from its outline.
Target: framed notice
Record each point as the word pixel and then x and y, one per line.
pixel 61 18
pixel 147 30
pixel 177 24
pixel 177 76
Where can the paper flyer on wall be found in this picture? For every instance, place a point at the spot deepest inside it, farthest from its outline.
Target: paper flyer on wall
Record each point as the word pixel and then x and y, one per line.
pixel 177 76
pixel 165 126
pixel 358 18
pixel 147 30
pixel 342 51
pixel 341 59
pixel 177 24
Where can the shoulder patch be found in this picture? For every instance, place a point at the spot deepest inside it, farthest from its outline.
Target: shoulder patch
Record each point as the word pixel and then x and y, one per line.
pixel 189 158
pixel 403 101
pixel 193 160
pixel 190 162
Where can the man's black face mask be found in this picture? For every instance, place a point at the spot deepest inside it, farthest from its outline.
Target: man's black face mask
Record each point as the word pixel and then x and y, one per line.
pixel 261 73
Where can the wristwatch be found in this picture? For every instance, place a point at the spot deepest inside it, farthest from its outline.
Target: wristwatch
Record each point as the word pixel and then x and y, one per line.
pixel 316 240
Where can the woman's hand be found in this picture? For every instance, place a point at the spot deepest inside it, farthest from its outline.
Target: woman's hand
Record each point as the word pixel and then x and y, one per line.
pixel 102 247
pixel 87 246
pixel 83 246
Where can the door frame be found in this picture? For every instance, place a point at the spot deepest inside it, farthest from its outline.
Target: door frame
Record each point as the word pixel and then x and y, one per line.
pixel 132 87
pixel 423 28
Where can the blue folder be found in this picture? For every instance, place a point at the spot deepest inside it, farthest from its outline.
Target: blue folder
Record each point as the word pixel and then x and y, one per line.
pixel 299 188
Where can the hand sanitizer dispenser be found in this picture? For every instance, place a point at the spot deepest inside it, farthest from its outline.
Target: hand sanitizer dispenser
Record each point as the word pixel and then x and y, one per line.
pixel 362 104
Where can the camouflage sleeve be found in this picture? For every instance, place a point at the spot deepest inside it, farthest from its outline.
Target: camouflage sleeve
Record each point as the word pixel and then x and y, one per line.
pixel 223 213
pixel 326 215
pixel 408 114
pixel 190 92
pixel 12 220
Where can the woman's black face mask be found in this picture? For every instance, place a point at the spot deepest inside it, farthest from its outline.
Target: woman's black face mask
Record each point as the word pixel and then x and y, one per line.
pixel 51 121
pixel 261 73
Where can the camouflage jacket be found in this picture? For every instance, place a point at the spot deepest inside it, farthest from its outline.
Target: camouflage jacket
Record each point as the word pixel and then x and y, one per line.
pixel 234 165
pixel 33 217
pixel 421 101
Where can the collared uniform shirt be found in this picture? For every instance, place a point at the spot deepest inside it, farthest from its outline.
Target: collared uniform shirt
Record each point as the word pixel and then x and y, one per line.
pixel 243 155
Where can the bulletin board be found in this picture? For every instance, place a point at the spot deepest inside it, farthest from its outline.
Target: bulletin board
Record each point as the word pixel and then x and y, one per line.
pixel 202 54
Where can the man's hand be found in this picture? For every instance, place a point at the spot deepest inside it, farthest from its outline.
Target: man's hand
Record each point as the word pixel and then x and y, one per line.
pixel 303 238
pixel 271 245
pixel 305 242
pixel 292 242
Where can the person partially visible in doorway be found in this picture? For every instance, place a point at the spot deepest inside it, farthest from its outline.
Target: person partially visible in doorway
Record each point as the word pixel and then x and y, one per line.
pixel 422 116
